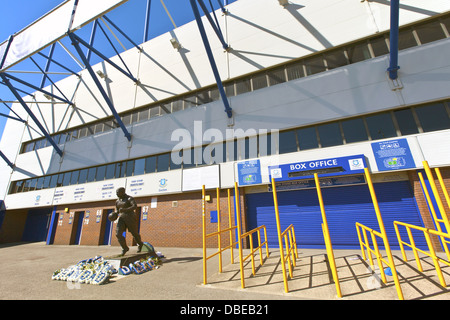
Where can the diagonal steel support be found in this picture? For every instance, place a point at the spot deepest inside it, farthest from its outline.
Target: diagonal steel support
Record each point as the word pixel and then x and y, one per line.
pixel 215 27
pixel 99 85
pixel 201 28
pixel 28 110
pixel 6 75
pixel 393 35
pixel 7 160
pixel 77 39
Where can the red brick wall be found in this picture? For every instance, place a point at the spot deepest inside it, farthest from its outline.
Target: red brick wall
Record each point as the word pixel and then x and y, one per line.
pixel 13 225
pixel 422 202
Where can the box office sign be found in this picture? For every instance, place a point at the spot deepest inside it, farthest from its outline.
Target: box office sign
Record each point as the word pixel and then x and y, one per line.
pixel 350 165
pixel 393 155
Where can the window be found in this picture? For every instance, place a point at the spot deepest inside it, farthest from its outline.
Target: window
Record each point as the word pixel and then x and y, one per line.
pixel 314 65
pixel 91 174
pixel 336 59
pixel 379 46
pixel 203 97
pixel 120 170
pixel 29 146
pixel 100 175
pixel 174 165
pixel 154 112
pixel 295 71
pixel 405 121
pixel 354 130
pixel 98 128
pixel 433 117
pixel 259 81
pixel 307 138
pixel 53 180
pixel 66 180
pixel 82 178
pixel 74 177
pixel 190 102
pixel 110 171
pixel 39 183
pixel 358 52
pixel 163 162
pixel 144 114
pixel 177 105
pixel 150 164
pixel 59 182
pixel 139 166
pixel 188 158
pixel 429 32
pixel 129 168
pixel 229 89
pixel 46 182
pixel 381 126
pixel 330 134
pixel 276 77
pixel 126 119
pixel 288 142
pixel 406 39
pixel 243 86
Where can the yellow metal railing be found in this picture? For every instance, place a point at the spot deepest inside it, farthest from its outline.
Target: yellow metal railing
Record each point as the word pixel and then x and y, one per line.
pixel 432 253
pixel 327 238
pixel 218 233
pixel 249 234
pixel 291 245
pixel 382 234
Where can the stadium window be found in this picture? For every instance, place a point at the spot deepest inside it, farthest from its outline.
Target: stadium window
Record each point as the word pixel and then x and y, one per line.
pixel 144 114
pixel 379 46
pixel 335 59
pixel 53 180
pixel 177 105
pixel 243 86
pixel 406 39
pixel 74 177
pixel 110 171
pixel 29 146
pixel 100 175
pixel 288 142
pixel 91 174
pixel 120 170
pixel 314 65
pixel 26 185
pixel 126 119
pixel 129 168
pixel 98 128
pixel 259 81
pixel 66 180
pixel 83 176
pixel 307 138
pixel 276 76
pixel 354 130
pixel 39 183
pixel 174 165
pixel 32 185
pixel 330 134
pixel 433 117
pixel 295 71
pixel 358 52
pixel 59 180
pixel 229 89
pixel 190 102
pixel 163 162
pixel 381 126
pixel 188 158
pixel 150 164
pixel 406 122
pixel 429 32
pixel 139 166
pixel 214 94
pixel 17 186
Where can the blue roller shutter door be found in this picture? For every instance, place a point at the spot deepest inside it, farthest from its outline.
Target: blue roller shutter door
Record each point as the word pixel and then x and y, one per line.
pixel 344 207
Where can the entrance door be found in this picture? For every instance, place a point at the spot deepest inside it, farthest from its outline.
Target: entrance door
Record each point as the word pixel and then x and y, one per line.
pixel 108 226
pixel 77 228
pixel 37 225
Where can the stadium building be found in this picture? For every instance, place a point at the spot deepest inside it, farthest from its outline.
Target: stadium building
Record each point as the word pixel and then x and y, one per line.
pixel 253 90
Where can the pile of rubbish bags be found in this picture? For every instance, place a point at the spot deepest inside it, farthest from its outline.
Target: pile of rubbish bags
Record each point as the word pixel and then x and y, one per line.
pixel 98 271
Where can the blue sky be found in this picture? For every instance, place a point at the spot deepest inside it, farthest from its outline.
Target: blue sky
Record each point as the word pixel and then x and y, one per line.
pixel 130 17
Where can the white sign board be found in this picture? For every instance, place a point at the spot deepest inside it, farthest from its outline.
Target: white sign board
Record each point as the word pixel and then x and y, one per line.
pixel 194 179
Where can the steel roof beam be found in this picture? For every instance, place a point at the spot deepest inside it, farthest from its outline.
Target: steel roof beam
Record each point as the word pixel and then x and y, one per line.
pixel 393 40
pixel 6 160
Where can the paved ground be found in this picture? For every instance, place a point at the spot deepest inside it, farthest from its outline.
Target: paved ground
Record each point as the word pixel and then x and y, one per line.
pixel 26 271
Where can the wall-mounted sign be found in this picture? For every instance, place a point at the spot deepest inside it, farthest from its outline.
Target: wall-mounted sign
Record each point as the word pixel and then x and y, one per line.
pixel 249 172
pixel 351 165
pixel 393 155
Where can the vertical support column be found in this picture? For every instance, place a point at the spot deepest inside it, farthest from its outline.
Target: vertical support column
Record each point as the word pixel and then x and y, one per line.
pixel 239 238
pixel 147 21
pixel 393 35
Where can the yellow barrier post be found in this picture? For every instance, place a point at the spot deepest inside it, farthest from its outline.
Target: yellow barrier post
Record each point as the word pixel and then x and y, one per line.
pixel 444 188
pixel 383 234
pixel 238 216
pixel 280 240
pixel 204 236
pixel 230 223
pixel 326 235
pixel 219 238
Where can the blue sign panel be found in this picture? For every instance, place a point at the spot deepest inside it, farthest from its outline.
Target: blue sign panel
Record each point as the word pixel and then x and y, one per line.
pixel 393 155
pixel 324 168
pixel 249 172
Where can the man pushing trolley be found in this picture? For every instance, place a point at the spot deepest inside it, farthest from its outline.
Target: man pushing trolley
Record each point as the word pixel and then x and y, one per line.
pixel 126 213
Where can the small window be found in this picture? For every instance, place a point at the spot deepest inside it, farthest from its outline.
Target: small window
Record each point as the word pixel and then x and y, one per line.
pixel 129 168
pixel 177 105
pixel 358 52
pixel 126 119
pixel 100 175
pixel 98 128
pixel 139 167
pixel 26 186
pixel 91 174
pixel 120 170
pixel 259 81
pixel 214 94
pixel 405 120
pixel 354 130
pixel 178 155
pixel 163 162
pixel 190 102
pixel 74 177
pixel 381 126
pixel 429 32
pixel 188 158
pixel 83 176
pixel 433 117
pixel 29 146
pixel 406 39
pixel 150 164
pixel 134 117
pixel 229 89
pixel 287 142
pixel 144 114
pixel 53 180
pixel 330 134
pixel 379 46
pixel 251 147
pixel 110 171
pixel 276 77
pixel 66 180
pixel 39 183
pixel 336 59
pixel 307 138
pixel 164 109
pixel 155 111
pixel 17 186
pixel 63 138
pixel 82 132
pixel 60 180
pixel 32 185
pixel 314 65
pixel 243 86
pixel 46 183
pixel 295 71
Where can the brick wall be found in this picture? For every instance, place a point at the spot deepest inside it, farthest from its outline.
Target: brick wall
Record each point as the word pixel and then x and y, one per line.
pixel 13 225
